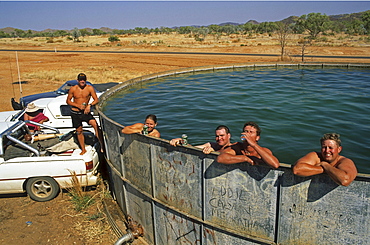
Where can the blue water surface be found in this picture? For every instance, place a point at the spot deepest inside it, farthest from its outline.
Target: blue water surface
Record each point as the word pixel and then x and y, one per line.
pixel 293 106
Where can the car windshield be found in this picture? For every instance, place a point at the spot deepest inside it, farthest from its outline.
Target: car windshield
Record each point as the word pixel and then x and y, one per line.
pixel 18 115
pixel 64 88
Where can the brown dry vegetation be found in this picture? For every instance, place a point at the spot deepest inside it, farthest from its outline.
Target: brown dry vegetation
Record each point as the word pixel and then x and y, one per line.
pixel 56 222
pixel 46 71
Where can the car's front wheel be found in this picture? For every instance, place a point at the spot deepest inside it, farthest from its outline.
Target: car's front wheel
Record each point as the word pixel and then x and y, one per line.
pixel 42 189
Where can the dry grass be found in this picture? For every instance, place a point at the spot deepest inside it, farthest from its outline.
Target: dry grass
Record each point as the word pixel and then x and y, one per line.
pixel 96 74
pixel 92 231
pixel 46 71
pixel 95 224
pixel 179 40
pixel 80 199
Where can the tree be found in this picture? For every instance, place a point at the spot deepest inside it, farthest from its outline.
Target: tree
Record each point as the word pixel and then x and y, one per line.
pixel 184 29
pixel 113 39
pixel 76 34
pixel 60 33
pixel 283 31
pixel 248 27
pixel 4 34
pixel 229 29
pixel 366 20
pixel 201 33
pixel 314 23
pixel 266 27
pixel 97 32
pixel 304 42
pixel 84 32
pixel 355 27
pixel 19 33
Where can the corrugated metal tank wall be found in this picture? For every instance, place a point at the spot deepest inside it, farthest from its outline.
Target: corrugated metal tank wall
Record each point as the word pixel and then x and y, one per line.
pixel 182 196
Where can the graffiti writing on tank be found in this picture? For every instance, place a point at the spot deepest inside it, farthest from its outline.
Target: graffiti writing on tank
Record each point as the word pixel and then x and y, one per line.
pixel 175 179
pixel 239 208
pixel 179 229
pixel 328 218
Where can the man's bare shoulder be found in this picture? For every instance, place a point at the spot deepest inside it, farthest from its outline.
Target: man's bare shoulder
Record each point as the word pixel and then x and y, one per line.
pixel 267 150
pixel 233 148
pixel 344 161
pixel 311 158
pixel 90 89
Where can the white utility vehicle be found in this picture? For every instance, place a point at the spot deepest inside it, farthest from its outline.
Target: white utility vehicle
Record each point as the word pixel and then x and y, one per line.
pixel 56 109
pixel 27 166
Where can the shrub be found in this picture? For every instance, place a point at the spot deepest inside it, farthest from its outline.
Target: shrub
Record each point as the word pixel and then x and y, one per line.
pixel 113 39
pixel 323 39
pixel 79 199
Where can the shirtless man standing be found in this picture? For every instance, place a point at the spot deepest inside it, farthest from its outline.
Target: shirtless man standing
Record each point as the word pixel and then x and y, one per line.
pixel 78 98
pixel 341 169
pixel 248 151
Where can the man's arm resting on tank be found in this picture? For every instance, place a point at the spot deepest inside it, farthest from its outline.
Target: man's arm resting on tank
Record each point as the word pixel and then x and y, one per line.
pixel 308 165
pixel 267 156
pixel 228 156
pixel 155 133
pixel 206 148
pixel 343 173
pixel 134 128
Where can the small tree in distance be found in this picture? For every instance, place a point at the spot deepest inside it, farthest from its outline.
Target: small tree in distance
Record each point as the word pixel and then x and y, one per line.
pixel 113 39
pixel 76 34
pixel 283 31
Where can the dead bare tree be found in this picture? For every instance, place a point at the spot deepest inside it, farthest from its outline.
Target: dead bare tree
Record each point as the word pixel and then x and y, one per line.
pixel 304 42
pixel 283 31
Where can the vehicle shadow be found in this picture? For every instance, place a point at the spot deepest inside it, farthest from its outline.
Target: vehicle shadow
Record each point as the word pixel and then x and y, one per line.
pixel 13 195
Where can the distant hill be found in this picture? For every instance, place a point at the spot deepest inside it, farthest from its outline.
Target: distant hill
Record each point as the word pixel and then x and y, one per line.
pixel 339 17
pixel 7 29
pixel 289 20
pixel 346 17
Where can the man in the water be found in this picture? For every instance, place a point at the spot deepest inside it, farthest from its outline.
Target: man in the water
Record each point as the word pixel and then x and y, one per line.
pixel 78 98
pixel 223 136
pixel 248 150
pixel 341 169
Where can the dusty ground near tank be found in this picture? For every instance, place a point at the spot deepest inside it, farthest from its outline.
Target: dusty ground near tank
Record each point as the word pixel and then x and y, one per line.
pixel 56 221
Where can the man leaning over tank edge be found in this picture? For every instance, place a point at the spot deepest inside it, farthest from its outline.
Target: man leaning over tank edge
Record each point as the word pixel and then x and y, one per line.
pixel 249 150
pixel 341 169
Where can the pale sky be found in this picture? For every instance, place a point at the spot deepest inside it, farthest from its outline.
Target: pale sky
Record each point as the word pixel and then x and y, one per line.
pixel 66 15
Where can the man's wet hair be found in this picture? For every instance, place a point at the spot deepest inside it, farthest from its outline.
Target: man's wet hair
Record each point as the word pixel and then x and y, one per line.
pixel 223 127
pixel 255 125
pixel 331 136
